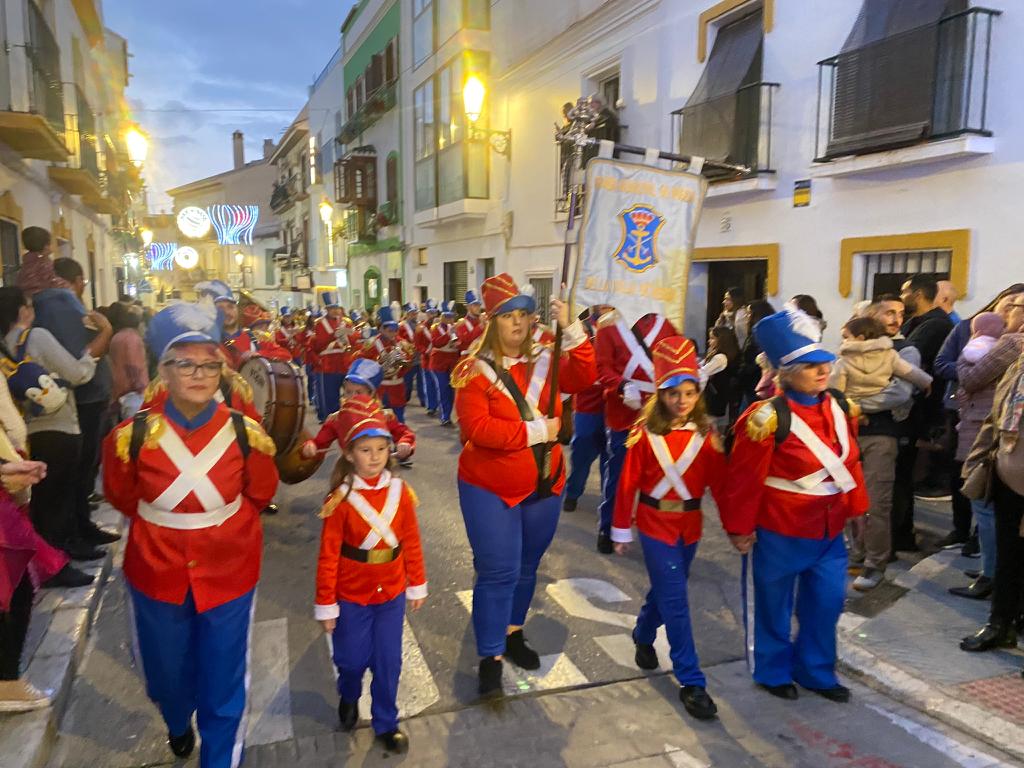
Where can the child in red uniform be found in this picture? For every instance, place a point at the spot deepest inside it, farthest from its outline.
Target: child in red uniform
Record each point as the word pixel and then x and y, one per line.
pixel 673 455
pixel 370 523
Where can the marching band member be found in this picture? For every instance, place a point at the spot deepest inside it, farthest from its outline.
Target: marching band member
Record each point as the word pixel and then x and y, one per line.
pixel 232 390
pixel 363 379
pixel 407 333
pixel 395 356
pixel 444 354
pixel 588 435
pixel 423 345
pixel 795 479
pixel 510 474
pixel 541 334
pixel 192 475
pixel 674 454
pixel 310 360
pixel 332 343
pixel 626 372
pixel 370 524
pixel 471 327
pixel 284 334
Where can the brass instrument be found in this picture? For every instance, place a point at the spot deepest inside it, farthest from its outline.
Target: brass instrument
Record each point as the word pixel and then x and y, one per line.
pixel 394 358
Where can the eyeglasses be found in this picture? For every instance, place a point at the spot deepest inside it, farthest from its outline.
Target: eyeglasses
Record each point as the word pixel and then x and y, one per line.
pixel 188 368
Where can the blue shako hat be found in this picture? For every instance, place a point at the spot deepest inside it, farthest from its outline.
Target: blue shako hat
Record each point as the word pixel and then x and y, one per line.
pixel 355 316
pixel 448 308
pixel 286 310
pixel 472 298
pixel 430 306
pixel 387 318
pixel 218 290
pixel 182 323
pixel 411 307
pixel 329 299
pixel 366 372
pixel 791 337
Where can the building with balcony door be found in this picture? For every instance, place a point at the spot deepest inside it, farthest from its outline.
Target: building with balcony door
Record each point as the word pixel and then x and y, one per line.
pixel 64 165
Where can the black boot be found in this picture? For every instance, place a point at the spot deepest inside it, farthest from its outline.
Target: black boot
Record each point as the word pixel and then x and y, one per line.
pixel 646 657
pixel 490 676
pixel 79 550
pixel 979 589
pixel 95 535
pixel 604 544
pixel 787 691
pixel 697 702
pixel 569 504
pixel 839 694
pixel 394 741
pixel 270 509
pixel 183 745
pixel 68 577
pixel 992 635
pixel 519 652
pixel 348 715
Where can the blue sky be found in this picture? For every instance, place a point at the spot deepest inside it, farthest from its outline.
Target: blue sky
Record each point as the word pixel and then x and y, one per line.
pixel 191 55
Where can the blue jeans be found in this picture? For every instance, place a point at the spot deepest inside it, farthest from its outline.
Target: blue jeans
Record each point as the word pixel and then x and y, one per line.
pixel 508 543
pixel 414 378
pixel 588 441
pixel 984 517
pixel 667 603
pixel 615 456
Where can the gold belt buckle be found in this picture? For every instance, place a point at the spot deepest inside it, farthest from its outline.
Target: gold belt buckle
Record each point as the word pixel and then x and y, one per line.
pixel 669 505
pixel 378 556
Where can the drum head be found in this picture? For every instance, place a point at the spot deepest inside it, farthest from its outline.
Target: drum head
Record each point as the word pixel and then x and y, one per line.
pixel 257 372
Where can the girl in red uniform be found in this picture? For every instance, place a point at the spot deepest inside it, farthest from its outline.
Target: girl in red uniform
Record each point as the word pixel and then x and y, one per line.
pixel 370 567
pixel 673 456
pixel 511 471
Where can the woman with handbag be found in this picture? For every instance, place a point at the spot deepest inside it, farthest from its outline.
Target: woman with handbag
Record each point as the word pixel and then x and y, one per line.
pixel 511 470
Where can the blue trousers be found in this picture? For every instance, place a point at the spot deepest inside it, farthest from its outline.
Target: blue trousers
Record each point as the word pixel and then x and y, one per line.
pixel 414 378
pixel 197 663
pixel 430 384
pixel 615 456
pixel 667 603
pixel 445 395
pixel 330 393
pixel 508 543
pixel 815 570
pixel 313 387
pixel 985 519
pixel 588 440
pixel 370 637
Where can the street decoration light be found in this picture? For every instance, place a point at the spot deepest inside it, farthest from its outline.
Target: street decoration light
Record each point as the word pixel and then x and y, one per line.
pixel 147 236
pixel 186 257
pixel 239 258
pixel 474 94
pixel 194 222
pixel 138 146
pixel 235 224
pixel 327 217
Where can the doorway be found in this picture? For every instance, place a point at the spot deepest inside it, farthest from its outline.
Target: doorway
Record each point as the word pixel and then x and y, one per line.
pixel 747 275
pixel 395 289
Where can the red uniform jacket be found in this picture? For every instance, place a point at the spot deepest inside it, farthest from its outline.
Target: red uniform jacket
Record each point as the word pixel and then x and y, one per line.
pixel 303 347
pixel 542 334
pixel 394 386
pixel 642 475
pixel 760 492
pixel 407 331
pixel 239 395
pixel 444 348
pixel 219 561
pixel 422 343
pixel 591 399
pixel 333 343
pixel 468 330
pixel 400 433
pixel 247 343
pixel 621 360
pixel 342 578
pixel 496 453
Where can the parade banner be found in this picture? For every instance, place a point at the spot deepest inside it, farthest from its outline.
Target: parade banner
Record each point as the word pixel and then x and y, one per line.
pixel 639 224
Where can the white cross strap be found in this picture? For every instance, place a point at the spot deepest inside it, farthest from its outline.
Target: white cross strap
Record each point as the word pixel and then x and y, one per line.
pixel 638 359
pixel 379 522
pixel 674 469
pixel 193 469
pixel 191 521
pixel 816 483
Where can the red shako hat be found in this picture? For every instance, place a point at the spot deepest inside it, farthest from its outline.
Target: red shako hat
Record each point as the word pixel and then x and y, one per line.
pixel 361 416
pixel 675 361
pixel 501 294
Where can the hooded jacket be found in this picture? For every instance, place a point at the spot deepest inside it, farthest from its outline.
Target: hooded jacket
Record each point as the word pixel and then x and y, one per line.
pixel 865 367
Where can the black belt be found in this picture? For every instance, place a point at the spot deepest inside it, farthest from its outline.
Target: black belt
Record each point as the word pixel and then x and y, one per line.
pixel 666 505
pixel 371 556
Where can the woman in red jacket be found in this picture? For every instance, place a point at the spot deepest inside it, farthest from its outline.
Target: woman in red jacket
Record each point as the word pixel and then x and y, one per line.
pixel 511 471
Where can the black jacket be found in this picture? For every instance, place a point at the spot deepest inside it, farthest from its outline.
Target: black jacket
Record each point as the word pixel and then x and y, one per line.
pixel 928 333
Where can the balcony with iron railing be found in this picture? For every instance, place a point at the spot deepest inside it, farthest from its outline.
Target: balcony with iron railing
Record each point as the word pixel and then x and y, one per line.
pixel 284 195
pixel 922 85
pixel 80 175
pixel 377 104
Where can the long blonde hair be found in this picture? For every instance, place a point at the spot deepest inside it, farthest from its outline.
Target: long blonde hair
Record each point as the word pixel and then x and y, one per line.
pixel 656 418
pixel 489 342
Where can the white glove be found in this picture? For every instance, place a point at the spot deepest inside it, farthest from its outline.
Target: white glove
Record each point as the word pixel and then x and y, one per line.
pixel 631 396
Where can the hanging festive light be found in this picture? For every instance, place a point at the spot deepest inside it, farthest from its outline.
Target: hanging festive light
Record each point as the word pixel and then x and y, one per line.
pixel 161 256
pixel 186 257
pixel 194 222
pixel 234 223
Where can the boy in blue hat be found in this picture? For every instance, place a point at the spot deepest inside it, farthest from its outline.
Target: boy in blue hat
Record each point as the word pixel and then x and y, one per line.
pixel 424 346
pixel 395 357
pixel 471 327
pixel 794 480
pixel 444 354
pixel 407 333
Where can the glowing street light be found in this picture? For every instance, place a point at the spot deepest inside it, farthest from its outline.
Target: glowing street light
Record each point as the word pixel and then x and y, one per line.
pixel 327 217
pixel 147 236
pixel 473 94
pixel 326 211
pixel 138 146
pixel 239 258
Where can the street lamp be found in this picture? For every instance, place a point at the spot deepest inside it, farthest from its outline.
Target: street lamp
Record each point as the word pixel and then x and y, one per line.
pixel 239 258
pixel 138 146
pixel 147 236
pixel 327 217
pixel 474 93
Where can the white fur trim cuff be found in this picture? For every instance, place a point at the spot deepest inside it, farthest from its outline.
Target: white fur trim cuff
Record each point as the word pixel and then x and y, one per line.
pixel 536 432
pixel 416 593
pixel 622 535
pixel 324 612
pixel 573 336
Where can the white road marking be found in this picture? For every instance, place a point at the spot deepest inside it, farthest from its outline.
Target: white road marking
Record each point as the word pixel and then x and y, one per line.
pixel 681 759
pixel 954 750
pixel 270 696
pixel 574 596
pixel 622 651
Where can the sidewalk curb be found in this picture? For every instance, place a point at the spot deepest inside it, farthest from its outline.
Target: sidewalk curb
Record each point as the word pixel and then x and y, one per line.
pixel 26 739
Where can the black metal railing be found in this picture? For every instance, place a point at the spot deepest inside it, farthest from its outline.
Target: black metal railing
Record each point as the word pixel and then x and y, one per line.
pixel 283 195
pixel 46 91
pixel 88 159
pixel 923 84
pixel 734 128
pixel 376 105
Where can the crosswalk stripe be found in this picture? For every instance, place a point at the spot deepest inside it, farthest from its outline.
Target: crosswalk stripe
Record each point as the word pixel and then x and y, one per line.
pixel 682 759
pixel 954 750
pixel 621 650
pixel 270 697
pixel 574 596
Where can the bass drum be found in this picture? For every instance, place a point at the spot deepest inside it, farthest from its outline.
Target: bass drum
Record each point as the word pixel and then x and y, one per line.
pixel 292 467
pixel 279 394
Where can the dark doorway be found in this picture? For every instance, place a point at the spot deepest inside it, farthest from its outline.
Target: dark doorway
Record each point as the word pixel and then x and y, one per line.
pixel 748 276
pixel 395 289
pixel 9 251
pixel 892 282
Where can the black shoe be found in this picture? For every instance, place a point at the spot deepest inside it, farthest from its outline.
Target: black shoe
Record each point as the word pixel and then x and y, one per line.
pixel 79 550
pixel 93 506
pixel 431 412
pixel 932 492
pixel 990 636
pixel 521 654
pixel 646 657
pixel 787 691
pixel 604 544
pixel 96 498
pixel 971 548
pixel 952 540
pixel 569 504
pixel 490 677
pixel 348 715
pixel 447 424
pixel 68 577
pixel 96 535
pixel 979 589
pixel 394 741
pixel 905 545
pixel 839 694
pixel 697 702
pixel 971 573
pixel 270 509
pixel 183 745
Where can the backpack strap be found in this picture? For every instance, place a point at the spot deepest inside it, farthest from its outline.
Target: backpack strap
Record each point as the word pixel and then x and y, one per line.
pixel 238 419
pixel 138 433
pixel 784 415
pixel 840 398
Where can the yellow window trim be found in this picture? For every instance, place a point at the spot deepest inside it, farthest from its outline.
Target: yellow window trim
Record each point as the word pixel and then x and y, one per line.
pixel 761 252
pixel 956 240
pixel 718 10
pixel 9 208
pixel 59 229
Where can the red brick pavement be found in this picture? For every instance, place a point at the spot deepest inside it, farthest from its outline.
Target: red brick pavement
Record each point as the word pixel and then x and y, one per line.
pixel 1003 695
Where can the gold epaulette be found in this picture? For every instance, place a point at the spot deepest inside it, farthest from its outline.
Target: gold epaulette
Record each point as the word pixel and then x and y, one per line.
pixel 460 321
pixel 155 426
pixel 635 432
pixel 123 441
pixel 330 504
pixel 609 318
pixel 855 410
pixel 763 422
pixel 154 388
pixel 464 371
pixel 239 385
pixel 412 495
pixel 259 439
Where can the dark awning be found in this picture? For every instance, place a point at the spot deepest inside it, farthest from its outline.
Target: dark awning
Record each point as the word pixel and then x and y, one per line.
pixel 882 19
pixel 736 52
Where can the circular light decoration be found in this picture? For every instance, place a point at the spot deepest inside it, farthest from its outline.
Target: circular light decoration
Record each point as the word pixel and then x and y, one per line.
pixel 186 257
pixel 194 222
